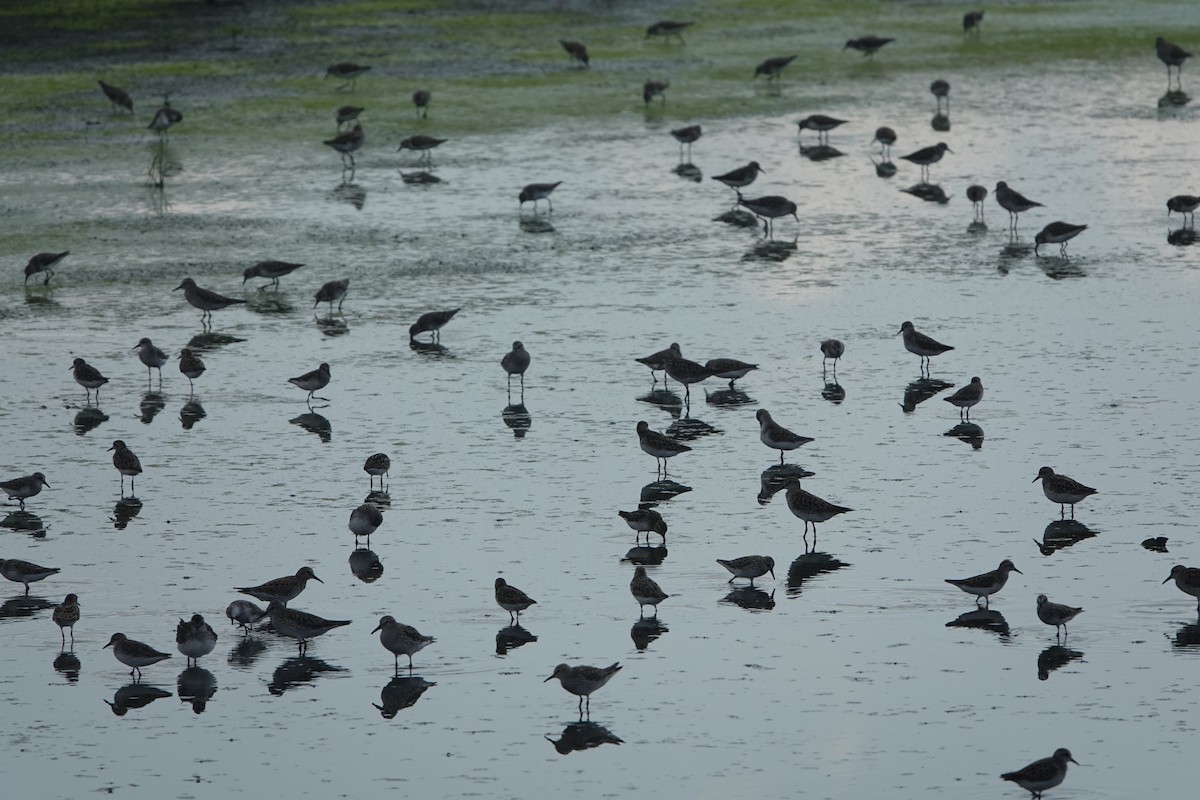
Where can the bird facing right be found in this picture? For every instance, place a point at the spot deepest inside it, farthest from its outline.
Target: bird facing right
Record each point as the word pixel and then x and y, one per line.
pixel 987 583
pixel 1043 774
pixel 512 600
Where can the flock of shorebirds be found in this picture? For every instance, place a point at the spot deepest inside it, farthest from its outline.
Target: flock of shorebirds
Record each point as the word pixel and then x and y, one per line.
pixel 195 638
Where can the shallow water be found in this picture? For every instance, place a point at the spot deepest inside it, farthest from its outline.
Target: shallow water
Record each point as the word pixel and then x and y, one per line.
pixel 847 675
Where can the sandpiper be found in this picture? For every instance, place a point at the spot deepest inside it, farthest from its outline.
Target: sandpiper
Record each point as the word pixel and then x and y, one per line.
pixel 768 208
pixel 657 361
pixel 927 156
pixel 346 71
pixel 941 91
pixel 1062 490
pixel 921 345
pixel 364 520
pixel 810 508
pixel 347 143
pixel 645 520
pixel 886 138
pixel 646 591
pixel 270 269
pixel 686 372
pixel 1187 579
pixel 312 381
pixel 195 638
pixel 300 625
pixel 537 191
pixel 773 67
pixel 1043 774
pixel 127 463
pixel 346 114
pixel 867 45
pixel 728 368
pixel 164 118
pixel 987 583
pixel 686 135
pixel 133 653
pixel 776 436
pixel 151 356
pixel 243 613
pixel 65 615
pixel 831 348
pixel 421 99
pixel 422 144
pixel 204 299
pixel 25 572
pixel 652 89
pixel 512 600
pixel 1057 233
pixel 44 262
pixel 1056 614
pixel 515 362
pixel 117 96
pixel 88 377
pixel 971 21
pixel 377 465
pixel 431 322
pixel 742 176
pixel 1185 204
pixel 821 124
pixel 667 28
pixel 191 366
pixel 330 291
pixel 1173 56
pixel 26 486
pixel 401 639
pixel 1013 202
pixel 283 589
pixel 576 50
pixel 582 680
pixel 966 397
pixel 658 445
pixel 977 194
pixel 748 567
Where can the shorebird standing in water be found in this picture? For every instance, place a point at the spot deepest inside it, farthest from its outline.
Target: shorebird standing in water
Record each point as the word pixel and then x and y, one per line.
pixel 927 156
pixel 576 50
pixel 345 71
pixel 1173 56
pixel 421 100
pixel 117 96
pixel 867 45
pixel 346 144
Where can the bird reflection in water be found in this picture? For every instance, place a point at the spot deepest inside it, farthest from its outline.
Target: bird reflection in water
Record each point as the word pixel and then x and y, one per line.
pixel 940 122
pixel 350 194
pixel 87 420
pixel 983 619
pixel 23 605
pixel 775 478
pixel 1055 657
pixel 365 565
pixel 134 696
pixel 689 172
pixel 331 325
pixel 191 413
pixel 884 169
pixel 968 432
pixel 401 693
pixel 196 685
pixel 1183 237
pixel 929 192
pixel 67 664
pixel 738 219
pixel 809 566
pixel 431 349
pixel 246 652
pixel 1176 98
pixel 833 392
pixel 728 397
pixel 661 491
pixel 646 556
pixel 772 250
pixel 686 429
pixel 518 419
pixel 751 598
pixel 381 500
pixel 126 509
pixel 208 342
pixel 420 178
pixel 269 303
pixel 583 736
pixel 314 423
pixel 535 224
pixel 1186 636
pixel 1061 267
pixel 512 637
pixel 645 631
pixel 1157 544
pixel 665 399
pixel 152 403
pixel 298 671
pixel 25 521
pixel 921 390
pixel 820 152
pixel 1063 533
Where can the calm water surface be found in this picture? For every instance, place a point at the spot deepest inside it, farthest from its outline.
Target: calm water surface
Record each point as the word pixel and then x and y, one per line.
pixel 850 675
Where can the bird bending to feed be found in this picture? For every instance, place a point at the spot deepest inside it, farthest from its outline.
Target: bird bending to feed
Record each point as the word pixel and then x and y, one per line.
pixel 1183 203
pixel 44 262
pixel 645 520
pixel 126 463
pixel 582 681
pixel 377 465
pixel 152 357
pixel 431 321
pixel 401 639
pixel 164 118
pixel 886 138
pixel 537 191
pixel 987 583
pixel 1057 233
pixel 282 589
pixel 300 625
pixel 195 638
pixel 24 487
pixel 810 508
pixel 658 361
pixel 65 615
pixel 667 28
pixel 966 397
pixel 346 114
pixel 831 348
pixel 777 437
pixel 867 45
pixel 773 67
pixel 728 368
pixel 821 124
pixel 927 156
pixel 512 600
pixel 206 300
pixel 421 100
pixel 658 445
pixel 1173 56
pixel 921 345
pixel 422 144
pixel 243 613
pixel 515 362
pixel 749 567
pixel 941 91
pixel 768 208
pixel 330 291
pixel 971 21
pixel 24 572
pixel 977 194
pixel 686 136
pixel 646 591
pixel 313 381
pixel 576 50
pixel 345 71
pixel 117 96
pixel 1187 580
pixel 1062 490
pixel 686 372
pixel 1043 774
pixel 1013 202
pixel 134 654
pixel 347 143
pixel 271 270
pixel 652 89
pixel 1056 614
